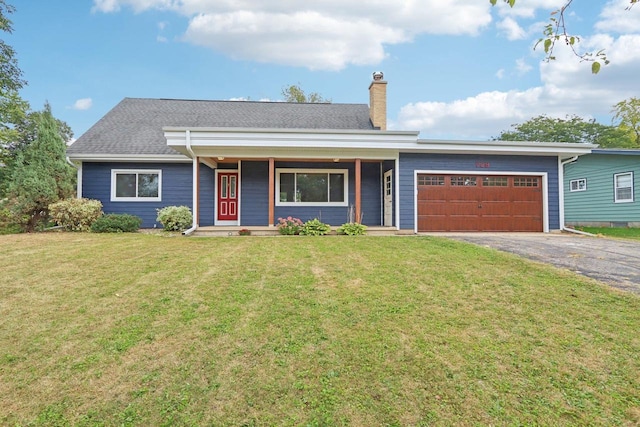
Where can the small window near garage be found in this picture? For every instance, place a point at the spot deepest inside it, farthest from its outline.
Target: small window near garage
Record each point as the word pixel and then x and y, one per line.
pixel 525 182
pixel 578 185
pixel 623 183
pixel 136 185
pixel 466 181
pixel 430 180
pixel 312 187
pixel 495 181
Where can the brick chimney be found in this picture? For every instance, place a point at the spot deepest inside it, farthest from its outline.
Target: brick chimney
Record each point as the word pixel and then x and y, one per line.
pixel 378 101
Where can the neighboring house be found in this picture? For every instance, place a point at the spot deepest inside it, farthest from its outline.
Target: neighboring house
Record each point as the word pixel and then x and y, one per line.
pixel 248 163
pixel 601 189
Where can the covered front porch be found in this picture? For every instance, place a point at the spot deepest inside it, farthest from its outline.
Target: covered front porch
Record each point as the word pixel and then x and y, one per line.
pixel 250 178
pixel 257 192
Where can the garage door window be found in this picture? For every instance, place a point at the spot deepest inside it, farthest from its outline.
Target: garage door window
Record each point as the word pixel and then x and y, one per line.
pixel 525 182
pixel 495 181
pixel 468 181
pixel 430 180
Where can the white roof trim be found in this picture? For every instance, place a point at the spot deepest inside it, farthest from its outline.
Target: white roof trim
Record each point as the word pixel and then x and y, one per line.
pixel 299 143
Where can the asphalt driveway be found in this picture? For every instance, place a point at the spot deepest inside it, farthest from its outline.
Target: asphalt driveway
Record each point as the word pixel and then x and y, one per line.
pixel 612 261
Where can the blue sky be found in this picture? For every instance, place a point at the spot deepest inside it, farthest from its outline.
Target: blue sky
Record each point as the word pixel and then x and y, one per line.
pixel 457 70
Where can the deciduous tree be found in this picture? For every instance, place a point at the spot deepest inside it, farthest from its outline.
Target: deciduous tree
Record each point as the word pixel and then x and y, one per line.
pixel 295 93
pixel 627 114
pixel 570 129
pixel 12 107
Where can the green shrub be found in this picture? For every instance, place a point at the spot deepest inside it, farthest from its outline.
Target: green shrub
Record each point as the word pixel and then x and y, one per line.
pixel 116 223
pixel 314 227
pixel 8 223
pixel 75 214
pixel 175 218
pixel 352 229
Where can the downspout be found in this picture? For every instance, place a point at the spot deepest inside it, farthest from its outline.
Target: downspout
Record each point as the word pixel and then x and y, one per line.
pixel 78 178
pixel 194 226
pixel 563 227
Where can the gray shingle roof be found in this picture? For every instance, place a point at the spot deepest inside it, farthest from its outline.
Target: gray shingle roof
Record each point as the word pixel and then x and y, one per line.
pixel 134 126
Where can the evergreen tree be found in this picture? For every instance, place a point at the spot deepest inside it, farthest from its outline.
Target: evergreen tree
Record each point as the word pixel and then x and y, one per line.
pixel 41 174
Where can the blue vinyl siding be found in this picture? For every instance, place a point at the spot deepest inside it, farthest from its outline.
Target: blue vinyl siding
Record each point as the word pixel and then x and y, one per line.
pixel 371 193
pixel 254 203
pixel 597 203
pixel 254 193
pixel 410 162
pixel 207 194
pixel 176 188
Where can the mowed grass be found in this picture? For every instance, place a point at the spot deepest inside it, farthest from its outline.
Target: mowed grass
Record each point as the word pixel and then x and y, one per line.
pixel 622 232
pixel 141 330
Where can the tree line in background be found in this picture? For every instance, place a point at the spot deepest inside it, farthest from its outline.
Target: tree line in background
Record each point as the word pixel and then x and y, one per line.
pixel 624 134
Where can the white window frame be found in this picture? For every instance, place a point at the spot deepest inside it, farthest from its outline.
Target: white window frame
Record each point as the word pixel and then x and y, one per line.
pixel 116 172
pixel 578 186
pixel 344 172
pixel 616 188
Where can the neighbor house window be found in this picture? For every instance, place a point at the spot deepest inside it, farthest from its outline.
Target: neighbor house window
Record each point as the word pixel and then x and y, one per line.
pixel 132 185
pixel 623 183
pixel 578 184
pixel 312 187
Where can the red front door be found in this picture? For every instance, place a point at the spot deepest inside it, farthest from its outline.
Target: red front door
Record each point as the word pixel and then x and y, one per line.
pixel 227 196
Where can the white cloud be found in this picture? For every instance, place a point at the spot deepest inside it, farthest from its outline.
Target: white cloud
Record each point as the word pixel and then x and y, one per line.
pixel 83 104
pixel 161 39
pixel 522 67
pixel 500 73
pixel 527 9
pixel 568 88
pixel 106 6
pixel 325 34
pixel 616 17
pixel 329 34
pixel 510 29
pixel 270 38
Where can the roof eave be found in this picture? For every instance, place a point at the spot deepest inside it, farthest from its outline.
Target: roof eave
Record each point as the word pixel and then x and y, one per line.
pixel 145 158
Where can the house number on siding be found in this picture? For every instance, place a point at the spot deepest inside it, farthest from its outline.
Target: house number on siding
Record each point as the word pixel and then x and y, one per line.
pixel 483 165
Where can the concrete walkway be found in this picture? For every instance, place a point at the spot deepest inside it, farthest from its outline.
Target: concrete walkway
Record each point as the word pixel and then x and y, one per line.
pixel 612 261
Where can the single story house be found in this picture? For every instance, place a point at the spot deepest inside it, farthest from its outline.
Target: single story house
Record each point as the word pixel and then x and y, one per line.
pixel 601 189
pixel 248 163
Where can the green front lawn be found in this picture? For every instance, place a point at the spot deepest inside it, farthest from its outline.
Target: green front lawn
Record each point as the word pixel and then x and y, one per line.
pixel 134 329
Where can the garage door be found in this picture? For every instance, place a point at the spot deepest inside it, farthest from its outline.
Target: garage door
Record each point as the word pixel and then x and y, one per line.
pixel 479 203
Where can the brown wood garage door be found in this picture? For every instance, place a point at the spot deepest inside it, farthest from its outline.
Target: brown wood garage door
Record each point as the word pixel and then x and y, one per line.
pixel 479 203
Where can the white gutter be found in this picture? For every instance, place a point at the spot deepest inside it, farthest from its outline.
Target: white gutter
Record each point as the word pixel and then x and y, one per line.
pixel 194 185
pixel 78 178
pixel 563 227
